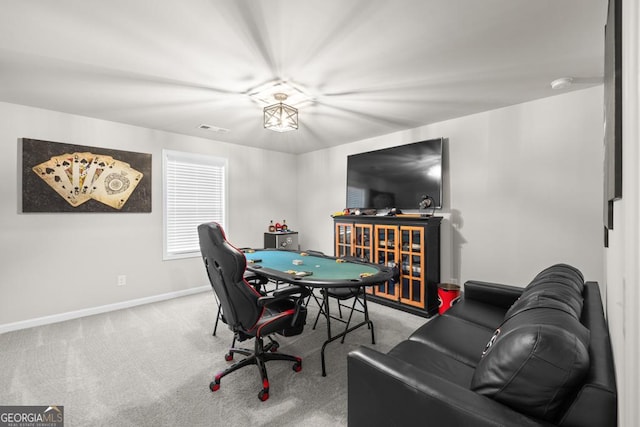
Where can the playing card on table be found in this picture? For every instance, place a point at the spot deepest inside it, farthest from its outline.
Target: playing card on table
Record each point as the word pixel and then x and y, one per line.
pixel 115 184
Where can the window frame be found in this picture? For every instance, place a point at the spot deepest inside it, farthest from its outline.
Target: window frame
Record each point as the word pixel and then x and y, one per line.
pixel 193 159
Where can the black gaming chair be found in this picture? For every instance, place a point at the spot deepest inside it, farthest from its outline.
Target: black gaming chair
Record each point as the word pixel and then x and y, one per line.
pixel 256 281
pixel 248 313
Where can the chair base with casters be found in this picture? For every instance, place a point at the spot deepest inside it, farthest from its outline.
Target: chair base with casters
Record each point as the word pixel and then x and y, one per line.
pixel 261 353
pixel 259 356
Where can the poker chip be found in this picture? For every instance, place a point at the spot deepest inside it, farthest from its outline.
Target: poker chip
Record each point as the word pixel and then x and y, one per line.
pixel 299 273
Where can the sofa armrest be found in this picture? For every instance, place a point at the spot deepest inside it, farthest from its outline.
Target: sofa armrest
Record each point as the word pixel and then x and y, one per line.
pixel 492 293
pixel 379 382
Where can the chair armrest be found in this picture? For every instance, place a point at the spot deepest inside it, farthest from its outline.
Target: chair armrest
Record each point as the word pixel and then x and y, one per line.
pixel 384 390
pixel 253 277
pixel 299 292
pixel 292 290
pixel 256 281
pixel 492 293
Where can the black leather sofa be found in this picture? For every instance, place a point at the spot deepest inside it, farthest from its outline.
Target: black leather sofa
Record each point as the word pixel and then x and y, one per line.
pixel 501 356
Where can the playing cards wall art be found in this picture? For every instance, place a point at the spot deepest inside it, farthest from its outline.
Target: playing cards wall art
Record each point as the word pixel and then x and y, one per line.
pixel 58 177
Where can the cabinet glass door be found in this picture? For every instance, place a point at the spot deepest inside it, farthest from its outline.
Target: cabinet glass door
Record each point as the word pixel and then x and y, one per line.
pixel 344 239
pixel 412 257
pixel 362 244
pixel 386 253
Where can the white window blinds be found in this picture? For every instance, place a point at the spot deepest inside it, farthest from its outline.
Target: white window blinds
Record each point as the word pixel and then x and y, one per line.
pixel 356 197
pixel 194 193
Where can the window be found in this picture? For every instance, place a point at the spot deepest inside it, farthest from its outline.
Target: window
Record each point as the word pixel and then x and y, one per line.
pixel 356 197
pixel 194 193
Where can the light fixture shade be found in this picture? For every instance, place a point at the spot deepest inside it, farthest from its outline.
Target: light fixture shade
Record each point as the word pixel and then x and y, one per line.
pixel 280 117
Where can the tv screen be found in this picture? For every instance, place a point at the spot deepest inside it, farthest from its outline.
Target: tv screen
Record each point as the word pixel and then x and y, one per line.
pixel 396 177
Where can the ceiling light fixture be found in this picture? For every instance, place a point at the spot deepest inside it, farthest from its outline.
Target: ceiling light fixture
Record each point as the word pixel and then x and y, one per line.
pixel 296 95
pixel 280 117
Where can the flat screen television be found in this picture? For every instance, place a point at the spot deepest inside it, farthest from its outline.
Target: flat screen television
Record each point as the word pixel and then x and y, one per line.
pixel 396 177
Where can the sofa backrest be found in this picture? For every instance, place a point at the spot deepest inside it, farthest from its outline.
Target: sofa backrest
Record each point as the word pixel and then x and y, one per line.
pixel 559 286
pixel 545 359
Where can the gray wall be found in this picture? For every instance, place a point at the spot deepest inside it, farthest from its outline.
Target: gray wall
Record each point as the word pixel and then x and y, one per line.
pixel 63 262
pixel 523 189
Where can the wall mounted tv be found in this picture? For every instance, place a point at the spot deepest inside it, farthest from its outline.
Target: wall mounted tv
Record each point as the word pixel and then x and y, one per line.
pixel 396 177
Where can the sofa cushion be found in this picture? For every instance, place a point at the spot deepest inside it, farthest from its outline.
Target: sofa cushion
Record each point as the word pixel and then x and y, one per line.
pixel 535 300
pixel 481 313
pixel 534 362
pixel 556 290
pixel 434 362
pixel 459 338
pixel 564 271
pixel 559 282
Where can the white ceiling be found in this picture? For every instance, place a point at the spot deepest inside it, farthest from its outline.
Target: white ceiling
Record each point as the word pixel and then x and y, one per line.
pixel 372 66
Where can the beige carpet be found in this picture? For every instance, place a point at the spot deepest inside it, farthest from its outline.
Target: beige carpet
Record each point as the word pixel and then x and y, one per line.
pixel 151 366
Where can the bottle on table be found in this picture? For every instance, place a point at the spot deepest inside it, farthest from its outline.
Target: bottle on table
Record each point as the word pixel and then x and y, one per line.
pixel 272 227
pixel 284 225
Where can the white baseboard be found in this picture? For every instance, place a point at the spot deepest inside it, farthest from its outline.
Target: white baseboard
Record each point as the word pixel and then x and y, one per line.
pixel 61 317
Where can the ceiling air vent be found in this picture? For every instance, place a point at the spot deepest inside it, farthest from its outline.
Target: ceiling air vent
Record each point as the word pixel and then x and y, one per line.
pixel 213 128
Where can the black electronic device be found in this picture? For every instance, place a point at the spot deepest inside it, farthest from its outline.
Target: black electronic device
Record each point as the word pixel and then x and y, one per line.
pixel 397 176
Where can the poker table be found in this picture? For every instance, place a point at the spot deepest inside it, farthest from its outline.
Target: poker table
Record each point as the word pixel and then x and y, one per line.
pixel 315 270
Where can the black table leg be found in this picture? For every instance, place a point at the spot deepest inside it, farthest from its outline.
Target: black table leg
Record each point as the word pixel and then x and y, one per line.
pixel 331 338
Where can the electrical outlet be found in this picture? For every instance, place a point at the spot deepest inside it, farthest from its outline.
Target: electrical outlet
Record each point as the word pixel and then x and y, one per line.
pixel 122 280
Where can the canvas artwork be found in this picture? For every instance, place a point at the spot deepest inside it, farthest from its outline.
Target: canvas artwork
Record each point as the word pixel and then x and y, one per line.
pixel 84 179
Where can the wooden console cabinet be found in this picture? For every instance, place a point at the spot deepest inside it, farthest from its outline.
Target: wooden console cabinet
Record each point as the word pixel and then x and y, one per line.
pixel 412 244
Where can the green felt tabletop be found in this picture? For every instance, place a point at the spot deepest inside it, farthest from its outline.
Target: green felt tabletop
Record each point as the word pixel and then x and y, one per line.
pixel 325 271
